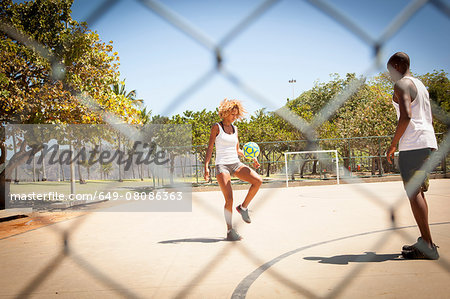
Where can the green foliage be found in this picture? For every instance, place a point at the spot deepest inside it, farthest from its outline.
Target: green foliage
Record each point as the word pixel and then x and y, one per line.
pixel 438 86
pixel 368 112
pixel 30 93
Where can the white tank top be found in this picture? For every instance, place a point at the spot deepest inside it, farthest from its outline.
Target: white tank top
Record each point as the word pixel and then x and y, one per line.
pixel 419 133
pixel 226 144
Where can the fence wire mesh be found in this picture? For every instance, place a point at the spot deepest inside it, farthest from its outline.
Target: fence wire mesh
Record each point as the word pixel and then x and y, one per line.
pixel 216 49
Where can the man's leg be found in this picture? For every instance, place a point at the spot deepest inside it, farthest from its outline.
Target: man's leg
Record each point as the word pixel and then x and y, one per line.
pixel 419 208
pixel 410 167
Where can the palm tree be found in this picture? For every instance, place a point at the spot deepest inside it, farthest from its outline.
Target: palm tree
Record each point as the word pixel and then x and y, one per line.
pixel 119 89
pixel 44 170
pixel 106 169
pixel 145 116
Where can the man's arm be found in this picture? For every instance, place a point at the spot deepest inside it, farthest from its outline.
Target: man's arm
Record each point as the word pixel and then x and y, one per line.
pixel 402 96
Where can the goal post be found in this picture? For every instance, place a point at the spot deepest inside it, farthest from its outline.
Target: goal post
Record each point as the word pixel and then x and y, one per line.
pixel 336 158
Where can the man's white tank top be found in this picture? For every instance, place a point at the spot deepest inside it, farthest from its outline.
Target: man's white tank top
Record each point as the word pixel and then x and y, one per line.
pixel 226 145
pixel 419 133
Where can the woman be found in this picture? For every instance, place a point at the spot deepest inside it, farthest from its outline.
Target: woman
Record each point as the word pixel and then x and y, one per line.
pixel 225 136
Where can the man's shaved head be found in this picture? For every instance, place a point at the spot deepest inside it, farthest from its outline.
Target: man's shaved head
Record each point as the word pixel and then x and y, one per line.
pixel 401 59
pixel 398 65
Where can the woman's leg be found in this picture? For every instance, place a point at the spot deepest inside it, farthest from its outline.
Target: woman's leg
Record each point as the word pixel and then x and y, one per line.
pixel 247 174
pixel 224 180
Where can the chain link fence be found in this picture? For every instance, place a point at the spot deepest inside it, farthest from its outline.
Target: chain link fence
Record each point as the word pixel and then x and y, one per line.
pixel 307 128
pixel 362 157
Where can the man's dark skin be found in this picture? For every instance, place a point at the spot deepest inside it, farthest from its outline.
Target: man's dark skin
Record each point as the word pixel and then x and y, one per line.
pixel 404 94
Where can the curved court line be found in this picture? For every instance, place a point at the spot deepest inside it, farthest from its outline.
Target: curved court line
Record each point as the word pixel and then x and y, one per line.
pixel 242 288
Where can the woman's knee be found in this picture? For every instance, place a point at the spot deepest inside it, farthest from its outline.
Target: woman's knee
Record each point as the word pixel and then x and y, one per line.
pixel 228 196
pixel 228 203
pixel 257 181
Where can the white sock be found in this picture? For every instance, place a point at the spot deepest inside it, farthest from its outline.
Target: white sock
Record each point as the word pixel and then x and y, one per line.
pixel 228 217
pixel 245 209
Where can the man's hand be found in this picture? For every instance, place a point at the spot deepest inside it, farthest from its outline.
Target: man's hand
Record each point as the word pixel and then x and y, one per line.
pixel 206 175
pixel 390 153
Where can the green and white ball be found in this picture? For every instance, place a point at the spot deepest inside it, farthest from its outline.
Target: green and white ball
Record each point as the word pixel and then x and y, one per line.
pixel 251 150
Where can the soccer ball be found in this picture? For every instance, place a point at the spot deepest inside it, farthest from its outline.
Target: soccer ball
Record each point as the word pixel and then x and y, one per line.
pixel 251 150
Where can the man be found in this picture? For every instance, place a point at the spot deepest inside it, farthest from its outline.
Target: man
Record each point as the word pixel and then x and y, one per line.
pixel 416 139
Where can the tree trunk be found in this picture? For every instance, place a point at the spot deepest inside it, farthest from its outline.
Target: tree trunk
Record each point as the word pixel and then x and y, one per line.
pixel 183 166
pixel 100 164
pixel 268 169
pixel 34 168
pixel 302 169
pixel 62 172
pixel 4 186
pixel 79 174
pixel 374 161
pixel 16 160
pixel 376 164
pixel 72 172
pixel 172 166
pixel 16 179
pixel 380 166
pixel 58 170
pixel 346 158
pixel 120 160
pixel 314 170
pixel 44 171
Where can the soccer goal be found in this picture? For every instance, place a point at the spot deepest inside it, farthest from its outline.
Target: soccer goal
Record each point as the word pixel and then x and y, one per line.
pixel 312 165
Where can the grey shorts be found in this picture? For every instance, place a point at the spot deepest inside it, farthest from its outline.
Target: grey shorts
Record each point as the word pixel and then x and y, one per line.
pixel 410 163
pixel 229 168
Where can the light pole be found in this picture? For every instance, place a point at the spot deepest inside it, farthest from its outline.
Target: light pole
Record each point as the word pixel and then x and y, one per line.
pixel 292 81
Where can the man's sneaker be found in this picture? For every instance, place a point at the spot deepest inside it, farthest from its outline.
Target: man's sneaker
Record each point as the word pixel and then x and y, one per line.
pixel 232 235
pixel 411 247
pixel 420 250
pixel 244 214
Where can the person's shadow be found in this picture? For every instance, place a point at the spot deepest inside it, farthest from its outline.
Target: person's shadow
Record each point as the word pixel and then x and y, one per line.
pixel 367 257
pixel 193 240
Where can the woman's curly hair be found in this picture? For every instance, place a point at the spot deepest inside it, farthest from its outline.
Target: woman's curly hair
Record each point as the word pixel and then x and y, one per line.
pixel 226 106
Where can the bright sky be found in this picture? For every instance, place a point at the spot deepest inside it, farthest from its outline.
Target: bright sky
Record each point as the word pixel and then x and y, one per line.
pixel 292 40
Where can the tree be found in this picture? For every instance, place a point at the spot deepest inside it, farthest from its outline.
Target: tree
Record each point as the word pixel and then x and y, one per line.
pixel 367 112
pixel 119 89
pixel 145 116
pixel 267 128
pixel 62 76
pixel 201 123
pixel 438 85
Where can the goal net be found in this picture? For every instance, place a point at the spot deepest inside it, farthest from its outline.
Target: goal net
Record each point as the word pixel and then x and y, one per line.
pixel 311 165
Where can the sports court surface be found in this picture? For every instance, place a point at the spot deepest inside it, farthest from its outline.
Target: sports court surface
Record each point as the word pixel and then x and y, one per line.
pixel 313 241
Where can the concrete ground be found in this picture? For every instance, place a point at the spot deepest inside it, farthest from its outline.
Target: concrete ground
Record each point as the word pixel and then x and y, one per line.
pixel 315 241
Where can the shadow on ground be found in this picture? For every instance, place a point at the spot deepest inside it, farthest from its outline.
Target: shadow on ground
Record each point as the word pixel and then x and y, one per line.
pixel 367 257
pixel 193 240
